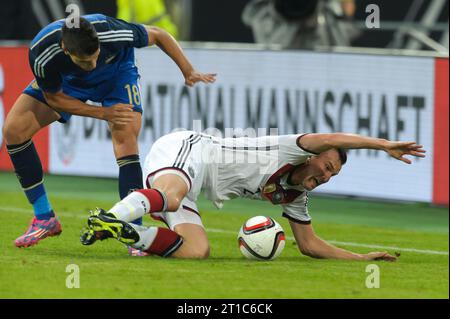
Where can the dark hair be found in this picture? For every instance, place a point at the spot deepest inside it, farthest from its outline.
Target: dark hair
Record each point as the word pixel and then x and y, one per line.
pixel 82 40
pixel 342 155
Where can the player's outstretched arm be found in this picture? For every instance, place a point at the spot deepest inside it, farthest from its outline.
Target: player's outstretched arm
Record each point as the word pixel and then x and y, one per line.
pixel 319 143
pixel 170 46
pixel 313 246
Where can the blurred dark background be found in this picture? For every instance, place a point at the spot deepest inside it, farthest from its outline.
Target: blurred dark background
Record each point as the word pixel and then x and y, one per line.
pixel 221 21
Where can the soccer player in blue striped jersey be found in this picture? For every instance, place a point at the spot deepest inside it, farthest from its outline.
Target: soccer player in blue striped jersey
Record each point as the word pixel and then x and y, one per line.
pixel 92 60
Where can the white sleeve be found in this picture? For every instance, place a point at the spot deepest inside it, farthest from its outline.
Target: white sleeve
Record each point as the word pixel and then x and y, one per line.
pixel 291 150
pixel 297 211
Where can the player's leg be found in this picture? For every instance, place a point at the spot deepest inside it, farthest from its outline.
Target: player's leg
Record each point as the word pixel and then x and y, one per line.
pixel 185 238
pixel 187 223
pixel 195 241
pixel 126 151
pixel 166 194
pixel 125 137
pixel 182 218
pixel 169 182
pixel 166 183
pixel 27 116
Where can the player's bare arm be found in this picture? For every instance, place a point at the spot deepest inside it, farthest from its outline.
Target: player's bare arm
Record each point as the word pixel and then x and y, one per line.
pixel 313 246
pixel 319 143
pixel 170 46
pixel 117 114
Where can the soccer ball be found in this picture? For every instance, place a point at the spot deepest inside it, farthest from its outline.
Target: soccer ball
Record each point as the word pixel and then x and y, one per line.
pixel 261 238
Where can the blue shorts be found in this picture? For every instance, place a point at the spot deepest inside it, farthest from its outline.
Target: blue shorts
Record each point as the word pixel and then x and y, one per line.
pixel 123 88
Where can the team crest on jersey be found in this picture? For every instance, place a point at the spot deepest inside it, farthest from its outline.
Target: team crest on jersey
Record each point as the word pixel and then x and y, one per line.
pixel 275 192
pixel 278 198
pixel 270 188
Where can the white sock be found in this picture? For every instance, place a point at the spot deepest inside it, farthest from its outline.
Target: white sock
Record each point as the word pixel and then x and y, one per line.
pixel 132 207
pixel 146 236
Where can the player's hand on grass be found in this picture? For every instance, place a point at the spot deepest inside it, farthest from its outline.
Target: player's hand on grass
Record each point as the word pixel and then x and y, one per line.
pixel 381 256
pixel 193 77
pixel 118 114
pixel 399 149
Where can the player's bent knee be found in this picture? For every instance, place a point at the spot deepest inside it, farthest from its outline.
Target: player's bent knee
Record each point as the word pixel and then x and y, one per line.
pixel 195 245
pixel 200 248
pixel 198 252
pixel 173 196
pixel 173 202
pixel 204 252
pixel 13 134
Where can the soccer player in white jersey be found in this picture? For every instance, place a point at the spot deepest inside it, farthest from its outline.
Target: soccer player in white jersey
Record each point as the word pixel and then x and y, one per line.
pixel 278 169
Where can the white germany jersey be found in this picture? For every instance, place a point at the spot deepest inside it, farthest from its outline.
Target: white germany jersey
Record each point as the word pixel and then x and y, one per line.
pixel 226 168
pixel 258 168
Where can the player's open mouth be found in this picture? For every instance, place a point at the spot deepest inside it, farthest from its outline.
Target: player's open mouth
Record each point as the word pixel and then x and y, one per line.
pixel 316 181
pixel 313 184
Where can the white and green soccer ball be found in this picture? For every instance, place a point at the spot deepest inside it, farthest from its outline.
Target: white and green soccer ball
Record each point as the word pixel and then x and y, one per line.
pixel 261 238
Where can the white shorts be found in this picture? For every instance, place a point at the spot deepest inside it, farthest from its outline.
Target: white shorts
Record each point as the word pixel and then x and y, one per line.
pixel 186 214
pixel 178 153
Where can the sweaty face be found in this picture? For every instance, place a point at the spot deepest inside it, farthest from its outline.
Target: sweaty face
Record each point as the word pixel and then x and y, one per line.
pixel 87 63
pixel 318 170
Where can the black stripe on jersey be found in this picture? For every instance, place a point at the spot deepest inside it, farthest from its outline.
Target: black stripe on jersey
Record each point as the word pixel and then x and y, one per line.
pixel 252 148
pixel 179 153
pixel 187 150
pixel 182 149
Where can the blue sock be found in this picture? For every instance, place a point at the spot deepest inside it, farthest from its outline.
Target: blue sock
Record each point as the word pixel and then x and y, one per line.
pixel 38 198
pixel 28 168
pixel 130 177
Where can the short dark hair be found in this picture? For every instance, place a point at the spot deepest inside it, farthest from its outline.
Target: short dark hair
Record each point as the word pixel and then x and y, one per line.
pixel 82 40
pixel 342 155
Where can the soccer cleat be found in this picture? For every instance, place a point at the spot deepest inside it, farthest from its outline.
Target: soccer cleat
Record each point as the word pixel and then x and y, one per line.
pixel 89 236
pixel 111 227
pixel 38 230
pixel 100 211
pixel 136 252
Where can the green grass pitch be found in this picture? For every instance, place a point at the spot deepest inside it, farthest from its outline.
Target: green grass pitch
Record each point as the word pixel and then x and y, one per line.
pixel 418 231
